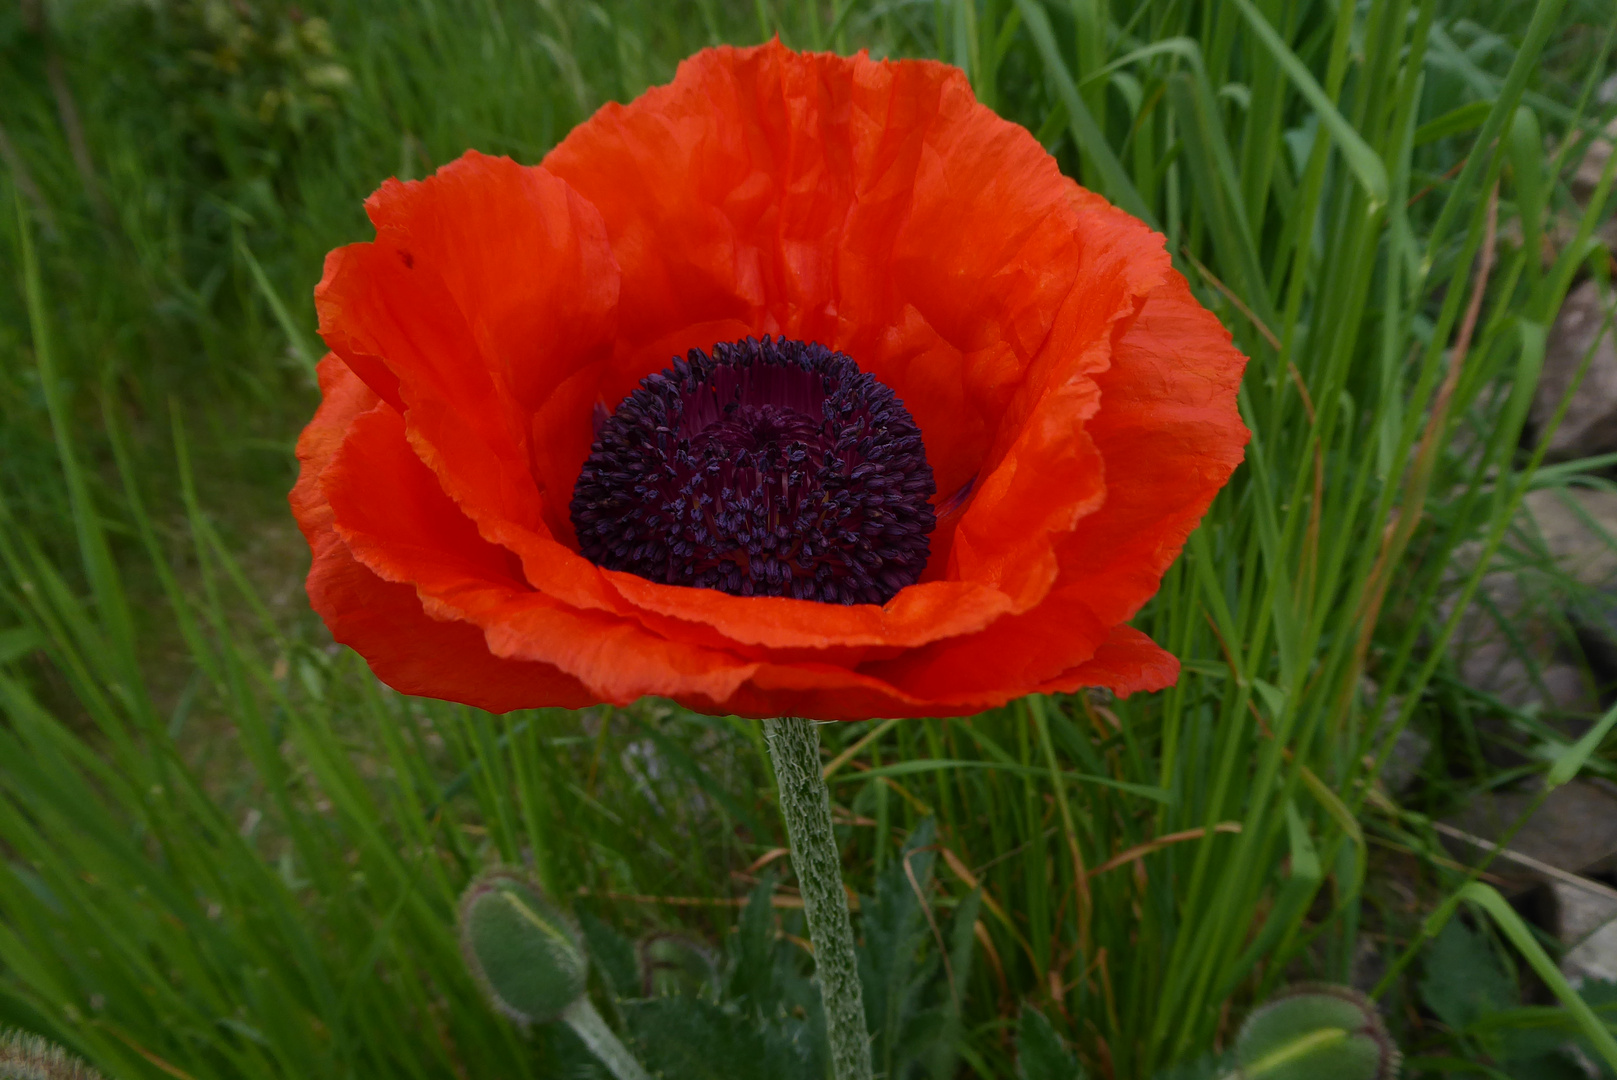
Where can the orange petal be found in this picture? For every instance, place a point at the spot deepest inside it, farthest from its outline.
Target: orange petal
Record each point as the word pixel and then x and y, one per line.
pixel 489 287
pixel 875 207
pixel 1171 435
pixel 384 622
pixel 1011 657
pixel 1077 404
pixel 415 535
pixel 1127 663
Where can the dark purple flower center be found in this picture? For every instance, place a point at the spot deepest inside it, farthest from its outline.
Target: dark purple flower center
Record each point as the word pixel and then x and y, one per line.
pixel 771 468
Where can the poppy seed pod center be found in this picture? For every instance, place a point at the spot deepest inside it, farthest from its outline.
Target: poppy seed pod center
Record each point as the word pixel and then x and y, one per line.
pixel 770 468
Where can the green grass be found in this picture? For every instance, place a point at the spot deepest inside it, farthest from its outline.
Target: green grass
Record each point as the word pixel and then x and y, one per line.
pixel 232 854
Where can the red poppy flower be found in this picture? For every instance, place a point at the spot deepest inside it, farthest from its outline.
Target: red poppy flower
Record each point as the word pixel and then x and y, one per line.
pixel 516 497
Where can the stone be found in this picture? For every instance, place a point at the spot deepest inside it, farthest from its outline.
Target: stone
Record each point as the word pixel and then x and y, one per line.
pixel 1595 957
pixel 1552 870
pixel 1575 831
pixel 1515 617
pixel 1584 907
pixel 1579 530
pixel 1590 424
pixel 1551 607
pixel 1578 527
pixel 1409 750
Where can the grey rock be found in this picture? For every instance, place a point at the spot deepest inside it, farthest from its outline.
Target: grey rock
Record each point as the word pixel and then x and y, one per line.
pixel 1546 867
pixel 1584 909
pixel 1578 527
pixel 1595 957
pixel 1574 831
pixel 1410 748
pixel 1590 424
pixel 1558 575
pixel 1409 752
pixel 1587 924
pixel 1512 629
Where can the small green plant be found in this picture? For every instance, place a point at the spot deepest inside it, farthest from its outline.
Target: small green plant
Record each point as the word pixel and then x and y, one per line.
pixel 1040 1054
pixel 1469 986
pixel 28 1057
pixel 755 1015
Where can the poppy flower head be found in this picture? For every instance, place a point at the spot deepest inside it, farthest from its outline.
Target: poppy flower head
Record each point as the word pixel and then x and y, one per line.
pixel 941 419
pixel 771 468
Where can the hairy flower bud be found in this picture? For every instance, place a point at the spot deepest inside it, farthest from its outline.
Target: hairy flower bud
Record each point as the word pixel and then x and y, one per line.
pixel 28 1057
pixel 525 952
pixel 1316 1031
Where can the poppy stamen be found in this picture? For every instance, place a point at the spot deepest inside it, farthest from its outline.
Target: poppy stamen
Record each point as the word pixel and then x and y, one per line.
pixel 770 468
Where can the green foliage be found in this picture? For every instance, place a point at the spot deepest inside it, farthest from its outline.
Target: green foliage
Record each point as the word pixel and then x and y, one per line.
pixel 674 964
pixel 1464 979
pixel 612 957
pixel 247 77
pixel 907 1002
pixel 1039 1052
pixel 760 1018
pixel 688 1038
pixel 1469 988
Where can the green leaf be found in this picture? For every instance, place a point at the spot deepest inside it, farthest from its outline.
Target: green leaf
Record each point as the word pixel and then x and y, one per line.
pixel 1454 122
pixel 1598 1034
pixel 897 958
pixel 18 642
pixel 672 964
pixel 688 1038
pixel 1366 166
pixel 763 974
pixel 1040 1054
pixel 1576 756
pixel 1464 979
pixel 1291 905
pixel 613 956
pixel 1114 180
pixel 904 768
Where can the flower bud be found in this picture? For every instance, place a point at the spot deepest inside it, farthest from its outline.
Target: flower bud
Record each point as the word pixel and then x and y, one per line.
pixel 28 1057
pixel 1316 1031
pixel 523 950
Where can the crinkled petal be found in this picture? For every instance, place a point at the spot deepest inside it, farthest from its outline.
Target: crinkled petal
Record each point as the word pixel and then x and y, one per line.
pixel 1171 435
pixel 1077 404
pixel 489 287
pixel 417 536
pixel 1128 662
pixel 878 208
pixel 384 622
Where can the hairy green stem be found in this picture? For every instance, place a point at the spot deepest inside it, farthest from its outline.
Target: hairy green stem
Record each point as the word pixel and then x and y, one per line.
pixel 805 803
pixel 593 1032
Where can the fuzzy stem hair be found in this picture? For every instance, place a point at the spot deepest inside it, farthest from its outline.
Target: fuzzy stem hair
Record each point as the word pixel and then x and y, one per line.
pixel 805 803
